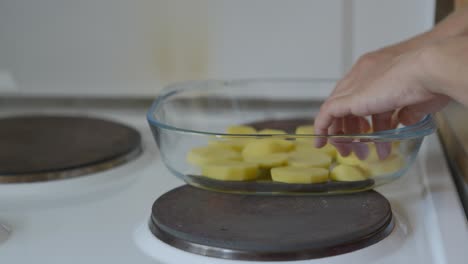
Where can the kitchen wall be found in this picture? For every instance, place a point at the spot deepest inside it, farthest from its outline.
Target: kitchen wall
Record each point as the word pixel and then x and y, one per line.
pixel 134 48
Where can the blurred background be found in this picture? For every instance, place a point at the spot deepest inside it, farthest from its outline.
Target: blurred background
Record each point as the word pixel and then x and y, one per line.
pixel 131 49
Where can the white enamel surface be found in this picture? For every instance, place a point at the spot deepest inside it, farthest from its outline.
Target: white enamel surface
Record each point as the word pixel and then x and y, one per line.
pixel 102 218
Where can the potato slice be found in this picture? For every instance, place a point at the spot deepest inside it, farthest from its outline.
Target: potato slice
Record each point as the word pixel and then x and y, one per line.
pixel 306 129
pixel 270 160
pixel 352 159
pixel 306 145
pixel 392 164
pixel 241 130
pixel 303 143
pixel 230 171
pixel 236 144
pixel 344 172
pixel 310 158
pixel 371 161
pixel 299 175
pixel 271 132
pixel 209 154
pixel 262 147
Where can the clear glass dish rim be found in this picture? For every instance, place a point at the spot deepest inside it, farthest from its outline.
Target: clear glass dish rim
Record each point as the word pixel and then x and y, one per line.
pixel 424 127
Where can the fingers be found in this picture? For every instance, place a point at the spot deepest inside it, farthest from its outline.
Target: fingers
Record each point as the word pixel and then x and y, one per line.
pixel 341 144
pixel 409 116
pixel 361 150
pixel 329 121
pixel 332 108
pixel 412 114
pixel 352 125
pixel 364 125
pixel 381 122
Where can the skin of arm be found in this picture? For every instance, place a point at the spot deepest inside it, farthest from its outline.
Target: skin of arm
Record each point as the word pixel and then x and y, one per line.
pixel 398 83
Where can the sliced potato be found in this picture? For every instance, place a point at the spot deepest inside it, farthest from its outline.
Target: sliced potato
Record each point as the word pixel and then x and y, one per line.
pixel 307 129
pixel 310 158
pixel 209 154
pixel 391 164
pixel 343 172
pixel 299 175
pixel 303 143
pixel 262 147
pixel 241 130
pixel 270 160
pixel 351 159
pixel 230 171
pixel 306 145
pixel 271 132
pixel 236 144
pixel 372 159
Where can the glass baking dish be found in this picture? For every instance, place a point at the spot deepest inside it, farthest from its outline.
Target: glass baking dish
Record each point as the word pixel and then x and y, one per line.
pixel 273 155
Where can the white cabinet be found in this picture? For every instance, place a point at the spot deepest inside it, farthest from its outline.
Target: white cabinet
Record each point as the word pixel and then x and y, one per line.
pixel 135 47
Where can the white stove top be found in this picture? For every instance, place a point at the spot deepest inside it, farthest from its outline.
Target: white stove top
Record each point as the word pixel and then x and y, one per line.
pixel 102 218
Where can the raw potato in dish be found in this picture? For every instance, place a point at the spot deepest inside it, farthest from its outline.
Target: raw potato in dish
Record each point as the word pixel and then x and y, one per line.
pixel 299 175
pixel 373 165
pixel 285 160
pixel 343 172
pixel 230 171
pixel 211 154
pixel 262 147
pixel 308 143
pixel 270 160
pixel 309 159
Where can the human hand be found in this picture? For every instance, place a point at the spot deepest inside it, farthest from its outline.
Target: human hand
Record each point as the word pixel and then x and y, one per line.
pixel 399 84
pixel 390 86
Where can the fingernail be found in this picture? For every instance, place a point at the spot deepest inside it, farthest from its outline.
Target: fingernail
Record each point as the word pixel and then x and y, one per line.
pixel 320 142
pixel 361 150
pixel 383 149
pixel 343 148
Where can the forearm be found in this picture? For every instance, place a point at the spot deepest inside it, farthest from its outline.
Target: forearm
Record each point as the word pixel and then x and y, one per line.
pixel 445 68
pixel 456 24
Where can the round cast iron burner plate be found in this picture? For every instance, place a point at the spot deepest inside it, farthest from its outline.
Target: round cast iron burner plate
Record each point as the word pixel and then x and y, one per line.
pixel 41 148
pixel 269 228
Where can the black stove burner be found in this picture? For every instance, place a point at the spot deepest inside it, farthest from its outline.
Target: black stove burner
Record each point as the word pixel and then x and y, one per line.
pixel 253 227
pixel 39 148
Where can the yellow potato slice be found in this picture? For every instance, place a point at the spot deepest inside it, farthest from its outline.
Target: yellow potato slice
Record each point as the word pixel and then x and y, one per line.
pixel 306 145
pixel 303 143
pixel 371 160
pixel 271 132
pixel 390 165
pixel 299 175
pixel 262 147
pixel 344 172
pixel 241 130
pixel 310 158
pixel 307 129
pixel 351 159
pixel 236 144
pixel 230 171
pixel 270 160
pixel 209 154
